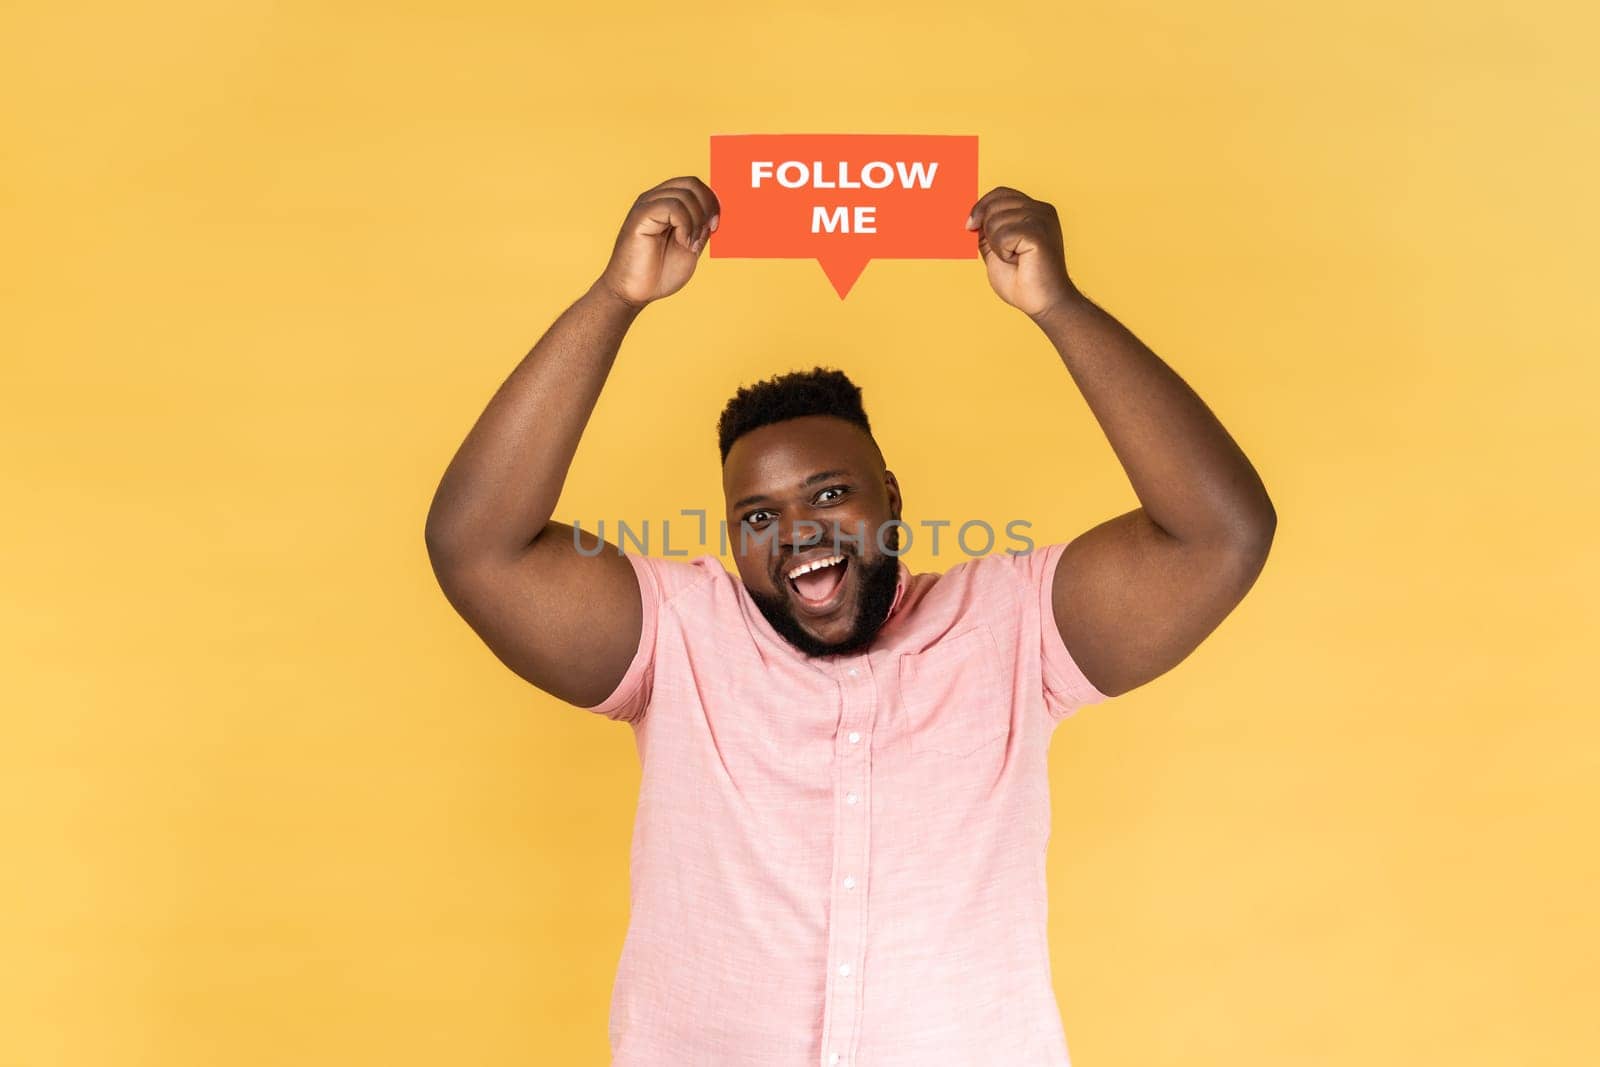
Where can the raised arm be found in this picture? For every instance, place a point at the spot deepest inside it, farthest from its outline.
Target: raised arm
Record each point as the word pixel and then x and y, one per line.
pixel 1138 593
pixel 567 621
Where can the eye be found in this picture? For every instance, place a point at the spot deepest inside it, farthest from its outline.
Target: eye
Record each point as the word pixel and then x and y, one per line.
pixel 824 498
pixel 755 517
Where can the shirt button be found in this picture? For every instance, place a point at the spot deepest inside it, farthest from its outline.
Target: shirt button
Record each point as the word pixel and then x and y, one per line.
pixel 855 738
pixel 852 672
pixel 844 970
pixel 849 882
pixel 833 1057
pixel 849 798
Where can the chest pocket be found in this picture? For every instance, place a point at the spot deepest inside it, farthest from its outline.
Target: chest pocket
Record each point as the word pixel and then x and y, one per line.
pixel 954 694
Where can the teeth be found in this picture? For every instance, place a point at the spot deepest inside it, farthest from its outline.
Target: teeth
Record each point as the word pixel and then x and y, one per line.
pixel 806 568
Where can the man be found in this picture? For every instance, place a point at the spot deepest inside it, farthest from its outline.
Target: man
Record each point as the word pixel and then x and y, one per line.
pixel 839 850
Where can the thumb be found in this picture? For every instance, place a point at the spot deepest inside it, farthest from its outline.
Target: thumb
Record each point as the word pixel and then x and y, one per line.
pixel 667 215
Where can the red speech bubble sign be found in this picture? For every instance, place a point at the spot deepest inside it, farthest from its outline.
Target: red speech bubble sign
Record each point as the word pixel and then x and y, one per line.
pixel 844 199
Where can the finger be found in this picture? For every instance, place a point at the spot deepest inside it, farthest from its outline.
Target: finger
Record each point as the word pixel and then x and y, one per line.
pixel 1012 239
pixel 680 188
pixel 1009 230
pixel 988 245
pixel 702 215
pixel 1004 214
pixel 697 209
pixel 999 194
pixel 710 206
pixel 707 205
pixel 668 211
pixel 682 179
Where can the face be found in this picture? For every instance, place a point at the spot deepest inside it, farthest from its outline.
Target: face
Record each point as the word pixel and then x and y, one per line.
pixel 813 492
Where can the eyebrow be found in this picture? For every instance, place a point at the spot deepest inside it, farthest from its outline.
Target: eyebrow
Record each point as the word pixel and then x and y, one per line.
pixel 820 476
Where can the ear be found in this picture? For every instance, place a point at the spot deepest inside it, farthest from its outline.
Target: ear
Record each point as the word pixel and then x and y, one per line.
pixel 891 486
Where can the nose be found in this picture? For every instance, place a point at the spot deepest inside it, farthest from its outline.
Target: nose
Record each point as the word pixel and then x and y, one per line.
pixel 798 532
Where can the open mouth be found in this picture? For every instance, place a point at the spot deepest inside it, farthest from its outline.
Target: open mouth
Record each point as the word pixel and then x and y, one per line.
pixel 818 583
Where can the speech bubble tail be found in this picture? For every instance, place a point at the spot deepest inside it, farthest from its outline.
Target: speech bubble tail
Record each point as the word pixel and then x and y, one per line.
pixel 843 271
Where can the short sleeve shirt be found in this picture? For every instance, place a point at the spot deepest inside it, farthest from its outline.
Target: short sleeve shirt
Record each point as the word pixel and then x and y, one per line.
pixel 840 860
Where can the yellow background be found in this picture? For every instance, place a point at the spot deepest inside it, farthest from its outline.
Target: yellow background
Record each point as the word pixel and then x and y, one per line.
pixel 264 799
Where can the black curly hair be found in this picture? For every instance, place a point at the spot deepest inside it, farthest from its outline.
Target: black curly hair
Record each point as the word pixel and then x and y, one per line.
pixel 818 391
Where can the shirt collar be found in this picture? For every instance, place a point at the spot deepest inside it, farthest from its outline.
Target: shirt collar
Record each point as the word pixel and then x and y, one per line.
pixel 900 587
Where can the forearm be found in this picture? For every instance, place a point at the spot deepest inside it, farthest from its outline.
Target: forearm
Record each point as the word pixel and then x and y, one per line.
pixel 501 488
pixel 1190 476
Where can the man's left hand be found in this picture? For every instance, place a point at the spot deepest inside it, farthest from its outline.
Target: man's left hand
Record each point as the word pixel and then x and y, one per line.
pixel 1020 240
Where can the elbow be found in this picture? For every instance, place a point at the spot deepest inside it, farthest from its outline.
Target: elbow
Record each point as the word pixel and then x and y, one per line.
pixel 1262 519
pixel 459 545
pixel 448 532
pixel 1242 530
pixel 444 546
pixel 1255 529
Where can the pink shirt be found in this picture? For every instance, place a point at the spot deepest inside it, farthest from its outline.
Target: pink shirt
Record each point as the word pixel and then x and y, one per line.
pixel 840 861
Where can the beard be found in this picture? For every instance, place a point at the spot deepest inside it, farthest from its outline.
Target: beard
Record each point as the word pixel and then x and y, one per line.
pixel 879 580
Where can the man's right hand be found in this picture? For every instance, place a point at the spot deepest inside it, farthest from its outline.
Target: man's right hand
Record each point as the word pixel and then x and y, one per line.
pixel 661 240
